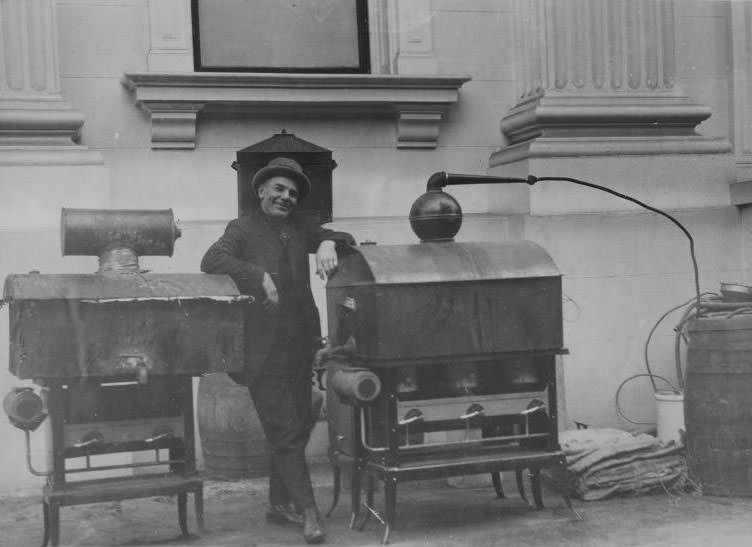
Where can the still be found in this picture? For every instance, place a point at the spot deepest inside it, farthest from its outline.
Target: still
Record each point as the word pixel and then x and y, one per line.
pixel 464 340
pixel 113 354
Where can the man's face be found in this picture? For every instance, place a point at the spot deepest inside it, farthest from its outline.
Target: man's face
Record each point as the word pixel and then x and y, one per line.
pixel 278 196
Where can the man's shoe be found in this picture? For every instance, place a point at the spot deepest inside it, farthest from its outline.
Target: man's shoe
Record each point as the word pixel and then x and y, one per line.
pixel 312 530
pixel 284 514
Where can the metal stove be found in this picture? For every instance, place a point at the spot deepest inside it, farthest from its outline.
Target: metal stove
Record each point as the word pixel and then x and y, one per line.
pixel 443 362
pixel 113 353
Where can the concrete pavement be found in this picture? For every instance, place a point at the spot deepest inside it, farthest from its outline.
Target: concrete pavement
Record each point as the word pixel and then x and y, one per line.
pixel 430 513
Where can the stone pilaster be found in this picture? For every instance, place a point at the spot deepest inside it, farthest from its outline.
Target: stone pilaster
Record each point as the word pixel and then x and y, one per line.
pixel 741 59
pixel 598 79
pixel 37 127
pixel 42 166
pixel 415 53
pixel 170 36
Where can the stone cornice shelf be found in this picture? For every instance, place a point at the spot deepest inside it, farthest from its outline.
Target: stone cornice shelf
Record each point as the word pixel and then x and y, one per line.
pixel 604 124
pixel 173 100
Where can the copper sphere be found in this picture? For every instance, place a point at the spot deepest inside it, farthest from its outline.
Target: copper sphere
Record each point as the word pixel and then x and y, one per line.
pixel 436 216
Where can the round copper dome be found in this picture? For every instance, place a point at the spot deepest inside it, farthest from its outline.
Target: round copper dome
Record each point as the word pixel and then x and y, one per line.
pixel 436 216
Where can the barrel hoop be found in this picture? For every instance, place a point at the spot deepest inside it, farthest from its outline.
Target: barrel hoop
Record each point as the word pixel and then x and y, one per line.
pixel 715 324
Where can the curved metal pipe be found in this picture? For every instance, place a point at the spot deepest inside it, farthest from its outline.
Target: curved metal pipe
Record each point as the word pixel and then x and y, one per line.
pixel 29 465
pixel 440 179
pixel 436 181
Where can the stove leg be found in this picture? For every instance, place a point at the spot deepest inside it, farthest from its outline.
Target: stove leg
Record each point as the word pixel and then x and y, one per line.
pixel 53 516
pixel 521 485
pixel 182 512
pixel 362 518
pixel 390 497
pixel 385 537
pixel 370 490
pixel 368 508
pixel 354 494
pixel 568 502
pixel 496 479
pixel 560 484
pixel 535 486
pixel 337 487
pixel 198 502
pixel 46 519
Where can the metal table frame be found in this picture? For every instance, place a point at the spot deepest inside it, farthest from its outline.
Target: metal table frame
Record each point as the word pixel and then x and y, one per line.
pixel 181 479
pixel 394 465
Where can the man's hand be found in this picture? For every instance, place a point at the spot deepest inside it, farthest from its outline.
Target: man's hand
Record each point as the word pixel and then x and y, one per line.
pixel 270 289
pixel 326 259
pixel 322 355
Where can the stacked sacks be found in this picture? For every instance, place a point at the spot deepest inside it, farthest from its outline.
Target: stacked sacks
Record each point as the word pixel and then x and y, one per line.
pixel 605 462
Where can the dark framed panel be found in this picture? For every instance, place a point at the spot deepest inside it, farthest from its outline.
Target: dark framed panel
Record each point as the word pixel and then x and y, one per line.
pixel 305 36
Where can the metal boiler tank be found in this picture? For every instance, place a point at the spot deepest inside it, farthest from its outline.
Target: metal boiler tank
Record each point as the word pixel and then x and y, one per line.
pixel 113 353
pixel 461 341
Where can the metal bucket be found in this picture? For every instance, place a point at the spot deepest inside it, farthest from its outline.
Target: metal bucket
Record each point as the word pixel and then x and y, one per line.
pixel 669 407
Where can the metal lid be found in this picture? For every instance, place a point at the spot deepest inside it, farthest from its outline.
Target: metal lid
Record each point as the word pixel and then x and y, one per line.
pixel 102 287
pixel 441 262
pixel 282 143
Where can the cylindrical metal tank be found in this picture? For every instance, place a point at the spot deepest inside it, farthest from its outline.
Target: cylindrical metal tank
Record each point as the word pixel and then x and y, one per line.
pixel 88 232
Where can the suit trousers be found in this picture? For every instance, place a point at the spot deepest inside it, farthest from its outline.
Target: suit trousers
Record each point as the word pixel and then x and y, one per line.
pixel 282 397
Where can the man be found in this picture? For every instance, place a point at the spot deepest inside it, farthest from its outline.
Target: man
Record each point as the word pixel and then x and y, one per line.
pixel 266 254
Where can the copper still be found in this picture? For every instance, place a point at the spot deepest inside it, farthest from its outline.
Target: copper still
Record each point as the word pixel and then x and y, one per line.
pixel 112 355
pixel 464 338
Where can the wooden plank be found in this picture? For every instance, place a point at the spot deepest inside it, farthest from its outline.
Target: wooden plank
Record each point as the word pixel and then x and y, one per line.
pixel 120 488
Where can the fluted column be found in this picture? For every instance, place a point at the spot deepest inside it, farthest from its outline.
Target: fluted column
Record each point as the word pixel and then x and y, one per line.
pixel 36 124
pixel 582 45
pixel 598 77
pixel 741 77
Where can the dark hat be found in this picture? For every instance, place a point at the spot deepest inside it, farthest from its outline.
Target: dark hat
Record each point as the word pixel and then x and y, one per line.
pixel 286 167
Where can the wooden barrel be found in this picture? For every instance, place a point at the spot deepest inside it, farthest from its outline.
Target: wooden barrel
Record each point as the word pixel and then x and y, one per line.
pixel 718 404
pixel 232 440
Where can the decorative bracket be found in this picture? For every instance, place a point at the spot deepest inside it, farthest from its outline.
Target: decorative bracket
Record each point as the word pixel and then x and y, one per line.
pixel 418 128
pixel 173 125
pixel 173 100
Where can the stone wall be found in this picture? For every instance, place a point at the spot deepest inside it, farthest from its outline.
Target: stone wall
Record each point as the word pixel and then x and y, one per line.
pixel 622 267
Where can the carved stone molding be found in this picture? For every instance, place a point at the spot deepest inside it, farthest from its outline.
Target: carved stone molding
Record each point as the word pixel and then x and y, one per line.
pixel 37 127
pixel 418 129
pixel 605 125
pixel 416 102
pixel 42 123
pixel 170 36
pixel 173 125
pixel 415 54
pixel 598 78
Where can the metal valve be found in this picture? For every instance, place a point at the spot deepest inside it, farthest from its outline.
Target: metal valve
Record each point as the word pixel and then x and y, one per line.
pixel 134 362
pixel 411 416
pixel 159 433
pixel 89 439
pixel 534 408
pixel 473 411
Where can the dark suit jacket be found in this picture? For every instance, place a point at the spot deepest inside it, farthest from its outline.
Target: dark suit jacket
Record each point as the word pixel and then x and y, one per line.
pixel 250 247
